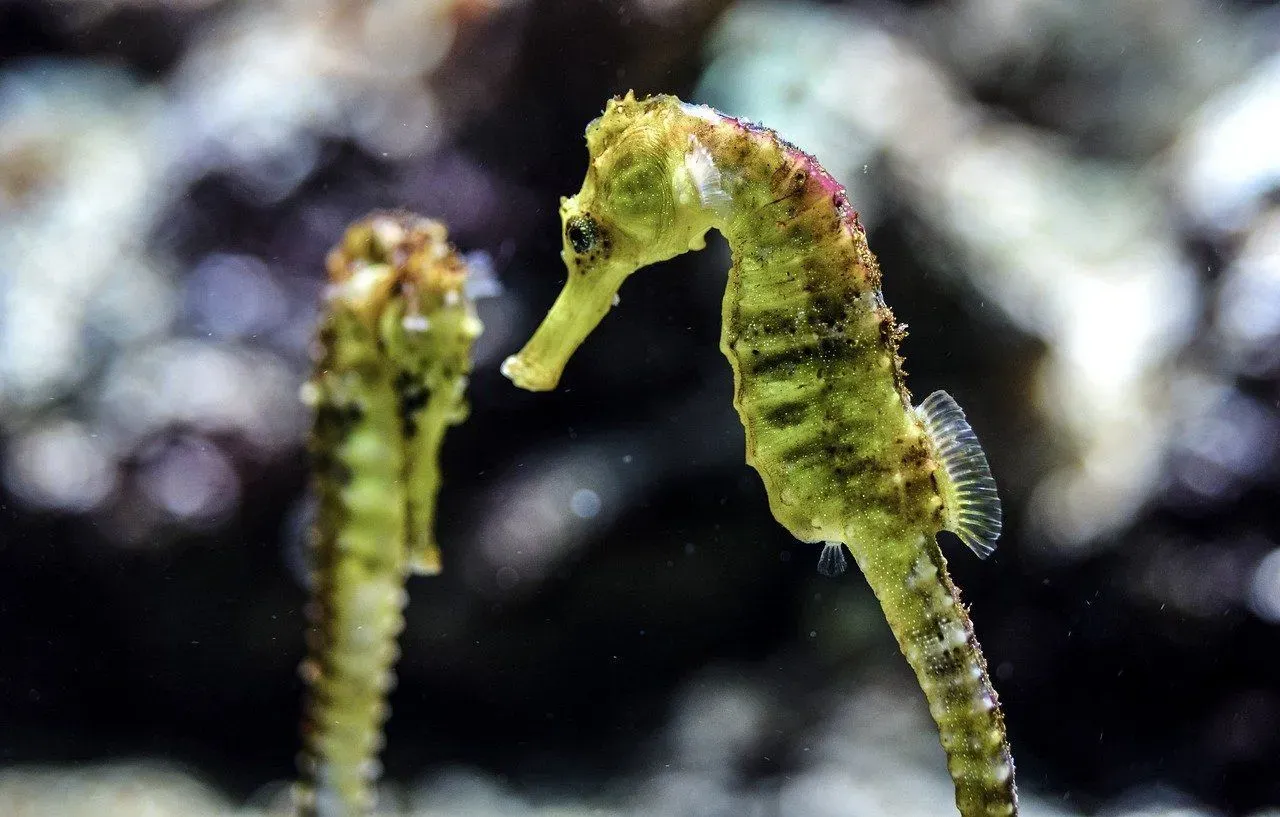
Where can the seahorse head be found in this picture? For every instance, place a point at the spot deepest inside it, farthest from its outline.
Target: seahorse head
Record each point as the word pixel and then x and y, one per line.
pixel 397 281
pixel 637 206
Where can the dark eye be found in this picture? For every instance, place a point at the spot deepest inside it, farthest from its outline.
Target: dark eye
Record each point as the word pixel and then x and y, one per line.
pixel 582 232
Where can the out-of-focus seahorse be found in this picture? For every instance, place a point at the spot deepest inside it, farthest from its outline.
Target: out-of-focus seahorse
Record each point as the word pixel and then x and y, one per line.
pixel 392 357
pixel 845 457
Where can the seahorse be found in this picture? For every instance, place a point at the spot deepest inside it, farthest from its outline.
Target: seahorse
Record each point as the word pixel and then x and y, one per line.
pixel 819 384
pixel 392 356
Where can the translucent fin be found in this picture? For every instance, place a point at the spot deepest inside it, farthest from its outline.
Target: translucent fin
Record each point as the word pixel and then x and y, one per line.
pixel 968 491
pixel 832 562
pixel 706 177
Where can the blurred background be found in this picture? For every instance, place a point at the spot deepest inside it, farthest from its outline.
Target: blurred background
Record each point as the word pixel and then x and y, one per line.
pixel 1077 210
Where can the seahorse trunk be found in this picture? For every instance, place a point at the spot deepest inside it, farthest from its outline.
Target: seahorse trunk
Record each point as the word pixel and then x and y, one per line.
pixel 361 565
pixel 933 630
pixel 844 458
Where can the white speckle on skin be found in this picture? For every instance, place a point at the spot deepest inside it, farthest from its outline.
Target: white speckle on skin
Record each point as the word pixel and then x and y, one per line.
pixel 361 285
pixel 923 572
pixel 415 323
pixel 704 112
pixel 954 637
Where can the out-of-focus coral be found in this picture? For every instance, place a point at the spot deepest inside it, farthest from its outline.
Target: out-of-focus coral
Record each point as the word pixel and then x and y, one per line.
pixel 1264 588
pixel 1079 200
pixel 869 755
pixel 1247 308
pixel 1121 79
pixel 113 791
pixel 133 389
pixel 1224 166
pixel 84 164
pixel 261 90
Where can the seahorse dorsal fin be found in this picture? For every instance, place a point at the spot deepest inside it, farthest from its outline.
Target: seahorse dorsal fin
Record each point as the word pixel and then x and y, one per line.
pixel 969 496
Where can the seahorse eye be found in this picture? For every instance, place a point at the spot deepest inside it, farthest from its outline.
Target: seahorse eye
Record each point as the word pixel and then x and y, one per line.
pixel 582 232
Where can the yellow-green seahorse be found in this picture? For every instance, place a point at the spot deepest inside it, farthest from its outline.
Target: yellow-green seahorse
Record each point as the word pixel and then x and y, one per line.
pixel 845 457
pixel 392 358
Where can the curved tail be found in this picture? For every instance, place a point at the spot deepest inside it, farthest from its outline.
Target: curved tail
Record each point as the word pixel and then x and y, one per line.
pixel 934 632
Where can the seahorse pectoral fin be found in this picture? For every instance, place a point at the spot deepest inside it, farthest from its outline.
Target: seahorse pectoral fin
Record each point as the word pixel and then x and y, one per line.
pixel 833 560
pixel 586 298
pixel 970 501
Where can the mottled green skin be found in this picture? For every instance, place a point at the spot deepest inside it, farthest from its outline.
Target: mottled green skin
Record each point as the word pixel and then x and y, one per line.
pixel 818 381
pixel 385 388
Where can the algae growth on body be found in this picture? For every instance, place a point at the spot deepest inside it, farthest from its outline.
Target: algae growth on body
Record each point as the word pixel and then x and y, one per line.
pixel 393 354
pixel 846 459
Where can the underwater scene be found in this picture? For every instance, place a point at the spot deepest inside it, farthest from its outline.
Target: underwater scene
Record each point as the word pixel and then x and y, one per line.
pixel 929 464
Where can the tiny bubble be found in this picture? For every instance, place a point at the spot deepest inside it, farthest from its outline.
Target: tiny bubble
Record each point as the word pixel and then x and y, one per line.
pixel 813 633
pixel 507 577
pixel 626 459
pixel 585 503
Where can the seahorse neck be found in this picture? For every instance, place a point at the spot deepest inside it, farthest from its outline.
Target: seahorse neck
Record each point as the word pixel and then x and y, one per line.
pixel 761 172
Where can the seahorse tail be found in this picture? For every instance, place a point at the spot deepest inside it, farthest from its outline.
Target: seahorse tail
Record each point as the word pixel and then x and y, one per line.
pixel 934 632
pixel 355 621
